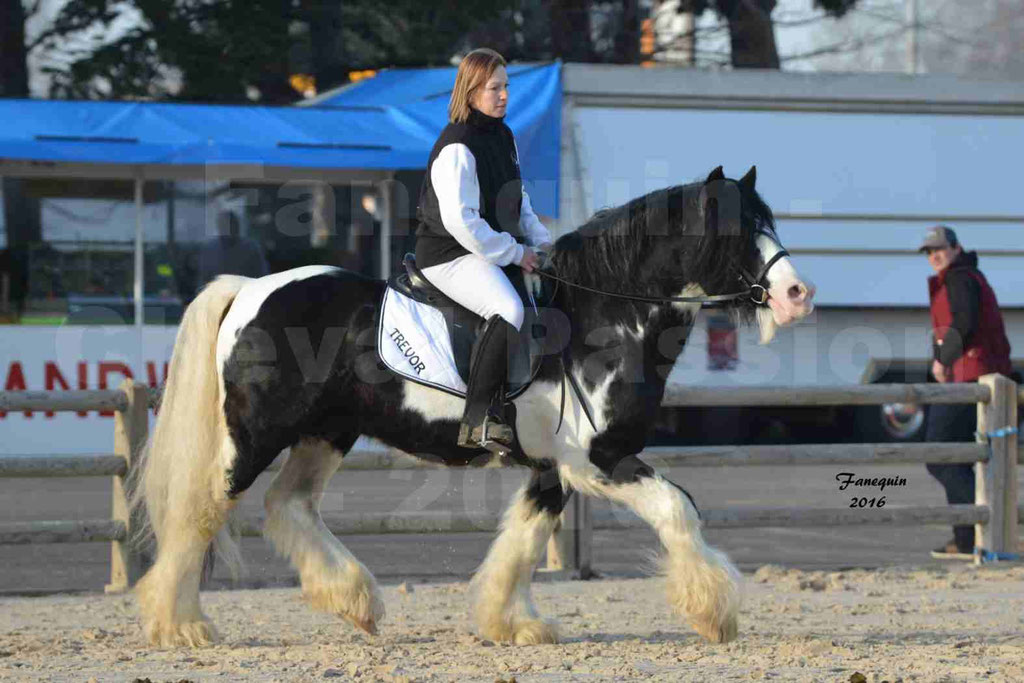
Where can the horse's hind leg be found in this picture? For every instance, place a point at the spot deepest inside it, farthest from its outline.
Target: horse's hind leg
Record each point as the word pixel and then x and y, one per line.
pixel 703 585
pixel 169 592
pixel 332 579
pixel 503 608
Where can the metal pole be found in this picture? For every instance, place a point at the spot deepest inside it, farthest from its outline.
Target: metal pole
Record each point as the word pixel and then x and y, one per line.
pixel 387 217
pixel 911 9
pixel 139 256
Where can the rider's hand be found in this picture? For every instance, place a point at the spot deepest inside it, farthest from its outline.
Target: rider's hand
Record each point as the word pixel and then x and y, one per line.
pixel 939 372
pixel 530 260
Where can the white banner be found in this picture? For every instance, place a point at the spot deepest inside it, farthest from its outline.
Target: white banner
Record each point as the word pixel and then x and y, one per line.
pixel 71 358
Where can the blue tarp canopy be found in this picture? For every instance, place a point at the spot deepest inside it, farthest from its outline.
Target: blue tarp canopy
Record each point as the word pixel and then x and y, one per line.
pixel 385 123
pixel 194 134
pixel 418 101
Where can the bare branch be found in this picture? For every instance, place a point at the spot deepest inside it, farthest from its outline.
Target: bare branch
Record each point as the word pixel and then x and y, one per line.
pixel 67 27
pixel 846 46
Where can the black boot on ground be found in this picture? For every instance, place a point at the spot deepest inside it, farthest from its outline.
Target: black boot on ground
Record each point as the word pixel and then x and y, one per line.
pixel 483 424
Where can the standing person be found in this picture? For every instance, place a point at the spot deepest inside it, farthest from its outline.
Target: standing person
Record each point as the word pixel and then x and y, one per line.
pixel 229 253
pixel 969 341
pixel 476 219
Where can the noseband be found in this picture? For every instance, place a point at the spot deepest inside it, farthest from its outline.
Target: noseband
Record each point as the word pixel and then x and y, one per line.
pixel 757 287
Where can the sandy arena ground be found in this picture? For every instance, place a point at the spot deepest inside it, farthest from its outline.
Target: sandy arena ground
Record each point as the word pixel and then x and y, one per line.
pixel 959 623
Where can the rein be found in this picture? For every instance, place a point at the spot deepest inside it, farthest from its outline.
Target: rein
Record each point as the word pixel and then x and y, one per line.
pixel 757 291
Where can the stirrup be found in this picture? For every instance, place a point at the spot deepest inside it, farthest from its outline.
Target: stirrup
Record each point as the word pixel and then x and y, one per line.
pixel 492 435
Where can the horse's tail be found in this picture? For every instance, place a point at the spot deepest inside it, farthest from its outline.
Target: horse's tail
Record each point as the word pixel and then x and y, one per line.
pixel 180 464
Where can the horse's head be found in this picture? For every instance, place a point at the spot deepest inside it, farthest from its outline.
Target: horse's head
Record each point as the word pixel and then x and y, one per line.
pixel 704 239
pixel 746 248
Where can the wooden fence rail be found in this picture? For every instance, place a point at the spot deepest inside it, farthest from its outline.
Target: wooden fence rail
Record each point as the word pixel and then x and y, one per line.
pixel 677 395
pixel 996 513
pixel 65 401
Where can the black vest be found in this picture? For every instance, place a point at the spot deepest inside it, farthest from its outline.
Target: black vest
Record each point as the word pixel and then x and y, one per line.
pixel 501 188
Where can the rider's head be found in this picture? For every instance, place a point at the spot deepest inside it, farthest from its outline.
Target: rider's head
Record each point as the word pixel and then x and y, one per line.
pixel 475 70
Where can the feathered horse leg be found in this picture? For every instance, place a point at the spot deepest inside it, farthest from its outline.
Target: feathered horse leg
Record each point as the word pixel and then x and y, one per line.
pixel 702 583
pixel 333 580
pixel 503 608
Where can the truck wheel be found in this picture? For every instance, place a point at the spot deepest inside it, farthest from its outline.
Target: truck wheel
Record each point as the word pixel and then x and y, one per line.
pixel 891 422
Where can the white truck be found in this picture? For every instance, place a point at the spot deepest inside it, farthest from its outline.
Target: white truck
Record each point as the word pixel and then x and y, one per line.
pixel 855 167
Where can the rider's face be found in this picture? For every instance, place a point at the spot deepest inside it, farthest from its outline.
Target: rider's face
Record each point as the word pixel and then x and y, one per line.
pixel 491 98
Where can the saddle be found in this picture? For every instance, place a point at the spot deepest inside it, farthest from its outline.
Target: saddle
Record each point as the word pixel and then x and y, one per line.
pixel 426 337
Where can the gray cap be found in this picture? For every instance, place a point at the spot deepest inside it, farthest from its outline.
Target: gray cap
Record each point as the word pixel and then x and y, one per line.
pixel 938 237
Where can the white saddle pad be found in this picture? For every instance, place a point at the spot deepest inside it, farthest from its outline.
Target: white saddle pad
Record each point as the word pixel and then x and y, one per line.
pixel 413 341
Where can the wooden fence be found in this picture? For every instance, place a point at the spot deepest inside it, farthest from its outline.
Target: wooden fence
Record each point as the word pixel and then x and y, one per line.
pixel 996 455
pixel 130 404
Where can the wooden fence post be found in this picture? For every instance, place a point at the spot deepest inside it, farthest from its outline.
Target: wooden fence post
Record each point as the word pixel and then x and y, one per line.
pixel 131 428
pixel 996 479
pixel 584 525
pixel 1007 443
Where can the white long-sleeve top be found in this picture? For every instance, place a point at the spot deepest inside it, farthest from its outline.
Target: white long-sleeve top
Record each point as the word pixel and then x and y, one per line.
pixel 453 177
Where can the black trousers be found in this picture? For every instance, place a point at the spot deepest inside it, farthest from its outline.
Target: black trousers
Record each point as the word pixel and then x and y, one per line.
pixel 954 423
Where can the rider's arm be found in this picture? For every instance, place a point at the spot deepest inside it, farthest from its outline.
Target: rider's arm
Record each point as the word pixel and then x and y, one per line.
pixel 536 232
pixel 453 175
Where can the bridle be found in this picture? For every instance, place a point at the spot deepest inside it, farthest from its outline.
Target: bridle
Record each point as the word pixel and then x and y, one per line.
pixel 757 286
pixel 757 290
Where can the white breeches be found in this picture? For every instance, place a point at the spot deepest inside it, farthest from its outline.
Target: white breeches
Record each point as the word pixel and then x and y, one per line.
pixel 478 285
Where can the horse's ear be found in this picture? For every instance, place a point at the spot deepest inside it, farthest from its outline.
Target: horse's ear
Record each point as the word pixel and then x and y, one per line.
pixel 748 181
pixel 715 175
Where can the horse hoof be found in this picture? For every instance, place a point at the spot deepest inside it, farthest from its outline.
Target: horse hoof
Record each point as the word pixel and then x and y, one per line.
pixel 188 634
pixel 723 633
pixel 353 596
pixel 367 625
pixel 535 632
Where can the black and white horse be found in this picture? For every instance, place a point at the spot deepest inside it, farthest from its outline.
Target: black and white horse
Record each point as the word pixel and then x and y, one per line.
pixel 288 360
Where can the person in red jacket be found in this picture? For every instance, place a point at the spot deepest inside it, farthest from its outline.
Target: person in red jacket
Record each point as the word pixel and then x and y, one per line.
pixel 969 341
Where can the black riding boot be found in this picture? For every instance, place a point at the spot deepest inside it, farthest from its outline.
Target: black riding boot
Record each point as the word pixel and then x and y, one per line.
pixel 482 422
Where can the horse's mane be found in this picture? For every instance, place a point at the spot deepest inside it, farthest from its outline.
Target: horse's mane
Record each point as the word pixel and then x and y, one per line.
pixel 657 243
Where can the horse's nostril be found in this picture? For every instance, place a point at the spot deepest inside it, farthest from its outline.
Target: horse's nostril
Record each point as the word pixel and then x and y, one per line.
pixel 797 292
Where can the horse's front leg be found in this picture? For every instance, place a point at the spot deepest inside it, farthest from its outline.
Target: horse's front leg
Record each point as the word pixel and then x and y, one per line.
pixel 702 583
pixel 503 609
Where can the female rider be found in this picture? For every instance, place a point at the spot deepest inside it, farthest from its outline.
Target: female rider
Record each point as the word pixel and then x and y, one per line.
pixel 475 218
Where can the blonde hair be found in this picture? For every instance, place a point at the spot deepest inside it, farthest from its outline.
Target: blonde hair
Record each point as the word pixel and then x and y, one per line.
pixel 474 70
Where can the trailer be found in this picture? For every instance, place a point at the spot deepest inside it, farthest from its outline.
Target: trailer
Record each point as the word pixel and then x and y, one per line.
pixel 855 167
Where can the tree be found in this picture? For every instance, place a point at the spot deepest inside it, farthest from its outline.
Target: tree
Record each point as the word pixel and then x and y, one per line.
pixel 605 31
pixel 988 41
pixel 327 56
pixel 21 211
pixel 240 50
pixel 571 30
pixel 223 51
pixel 751 29
pixel 13 55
